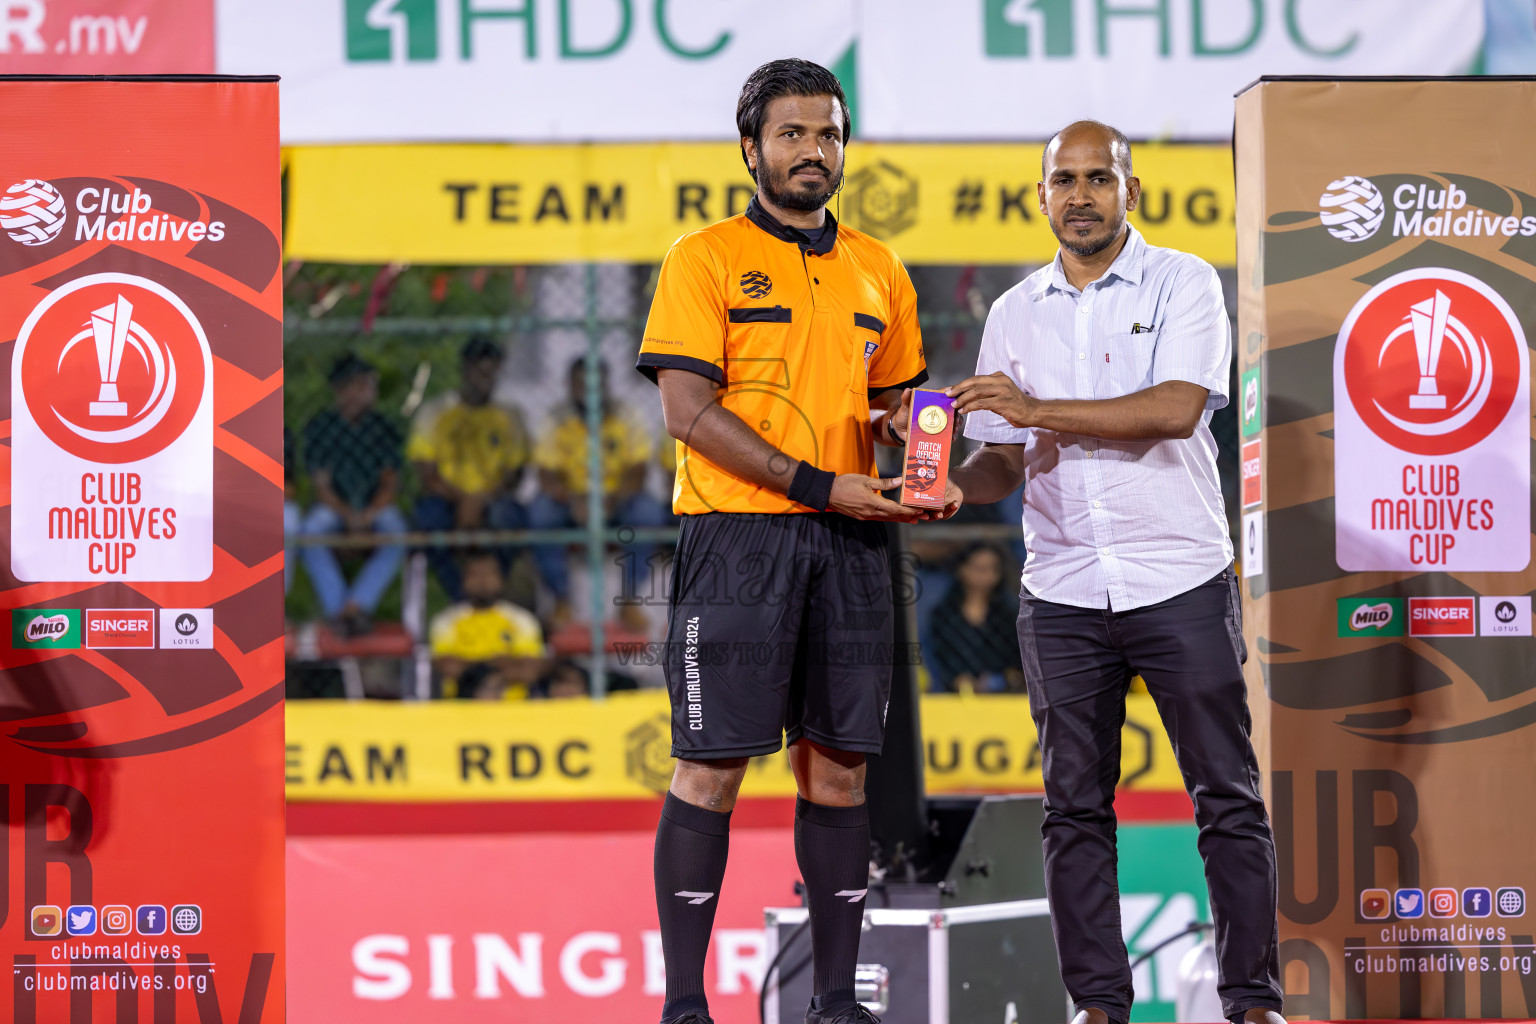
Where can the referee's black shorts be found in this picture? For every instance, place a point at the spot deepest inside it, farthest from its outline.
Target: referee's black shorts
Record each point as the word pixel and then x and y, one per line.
pixel 781 625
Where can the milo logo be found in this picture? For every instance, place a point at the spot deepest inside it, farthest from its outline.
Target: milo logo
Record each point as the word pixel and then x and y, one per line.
pixel 51 628
pixel 1373 617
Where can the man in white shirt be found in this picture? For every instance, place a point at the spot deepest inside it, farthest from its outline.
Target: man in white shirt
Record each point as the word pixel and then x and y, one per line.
pixel 1095 386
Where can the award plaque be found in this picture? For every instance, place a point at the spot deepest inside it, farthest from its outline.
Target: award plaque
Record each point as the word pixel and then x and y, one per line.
pixel 929 435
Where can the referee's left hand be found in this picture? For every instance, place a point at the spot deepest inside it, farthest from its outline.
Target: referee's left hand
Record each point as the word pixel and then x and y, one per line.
pixel 995 392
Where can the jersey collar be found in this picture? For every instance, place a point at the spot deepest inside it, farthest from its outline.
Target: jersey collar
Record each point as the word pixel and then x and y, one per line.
pixel 784 233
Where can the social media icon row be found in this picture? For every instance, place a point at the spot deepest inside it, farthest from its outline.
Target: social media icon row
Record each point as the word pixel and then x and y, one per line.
pixel 1407 904
pixel 150 919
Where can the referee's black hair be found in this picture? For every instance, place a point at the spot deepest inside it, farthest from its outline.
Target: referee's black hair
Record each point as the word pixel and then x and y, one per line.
pixel 1124 160
pixel 790 76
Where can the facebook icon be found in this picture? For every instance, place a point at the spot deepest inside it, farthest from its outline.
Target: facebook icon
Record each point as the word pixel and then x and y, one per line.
pixel 1476 902
pixel 151 920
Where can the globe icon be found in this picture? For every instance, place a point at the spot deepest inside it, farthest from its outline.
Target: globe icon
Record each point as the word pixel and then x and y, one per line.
pixel 1511 903
pixel 186 920
pixel 1352 208
pixel 32 212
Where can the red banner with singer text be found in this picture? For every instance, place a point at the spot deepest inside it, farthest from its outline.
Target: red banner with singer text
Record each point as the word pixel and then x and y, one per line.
pixel 141 558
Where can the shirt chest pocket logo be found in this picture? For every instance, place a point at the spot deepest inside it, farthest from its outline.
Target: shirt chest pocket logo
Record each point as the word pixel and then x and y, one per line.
pixel 1128 362
pixel 863 349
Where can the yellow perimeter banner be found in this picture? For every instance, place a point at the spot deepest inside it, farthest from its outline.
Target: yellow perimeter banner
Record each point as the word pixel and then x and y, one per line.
pixel 489 204
pixel 564 750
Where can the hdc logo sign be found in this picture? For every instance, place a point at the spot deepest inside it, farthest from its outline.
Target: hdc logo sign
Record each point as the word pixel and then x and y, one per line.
pixel 1431 428
pixel 112 436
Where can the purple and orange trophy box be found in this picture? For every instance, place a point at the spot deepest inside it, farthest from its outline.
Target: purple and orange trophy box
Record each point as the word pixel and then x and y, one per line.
pixel 929 436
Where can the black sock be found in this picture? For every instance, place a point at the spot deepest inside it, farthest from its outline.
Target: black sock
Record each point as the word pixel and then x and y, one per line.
pixel 832 848
pixel 691 848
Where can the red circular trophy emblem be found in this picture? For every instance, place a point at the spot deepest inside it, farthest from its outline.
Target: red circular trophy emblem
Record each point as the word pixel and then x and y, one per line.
pixel 113 367
pixel 1431 360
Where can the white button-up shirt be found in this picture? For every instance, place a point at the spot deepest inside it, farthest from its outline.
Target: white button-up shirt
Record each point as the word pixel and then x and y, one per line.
pixel 1118 524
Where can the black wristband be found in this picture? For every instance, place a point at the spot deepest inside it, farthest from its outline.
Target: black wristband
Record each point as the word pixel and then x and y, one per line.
pixel 812 486
pixel 890 429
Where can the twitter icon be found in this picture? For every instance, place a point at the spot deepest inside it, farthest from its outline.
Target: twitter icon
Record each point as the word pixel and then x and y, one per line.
pixel 80 920
pixel 1409 903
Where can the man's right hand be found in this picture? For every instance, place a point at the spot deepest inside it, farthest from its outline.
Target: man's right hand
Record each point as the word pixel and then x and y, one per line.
pixel 858 496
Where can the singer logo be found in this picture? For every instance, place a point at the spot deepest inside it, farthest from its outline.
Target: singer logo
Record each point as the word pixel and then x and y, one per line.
pixel 112 367
pixel 1442 616
pixel 119 628
pixel 1253 480
pixel 1431 360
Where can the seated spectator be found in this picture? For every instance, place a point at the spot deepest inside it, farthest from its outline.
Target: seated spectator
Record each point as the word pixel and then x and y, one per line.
pixel 485 647
pixel 352 452
pixel 974 642
pixel 469 455
pixel 561 456
pixel 293 516
pixel 567 679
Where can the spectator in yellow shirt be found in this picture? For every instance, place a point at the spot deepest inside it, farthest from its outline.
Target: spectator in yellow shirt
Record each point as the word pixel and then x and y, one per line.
pixel 469 454
pixel 485 647
pixel 562 502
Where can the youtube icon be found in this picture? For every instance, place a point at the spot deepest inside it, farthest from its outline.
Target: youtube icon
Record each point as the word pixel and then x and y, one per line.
pixel 119 628
pixel 1442 616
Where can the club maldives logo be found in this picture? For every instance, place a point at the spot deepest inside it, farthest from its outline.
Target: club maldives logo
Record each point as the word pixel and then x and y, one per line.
pixel 1431 360
pixel 112 367
pixel 1352 208
pixel 32 212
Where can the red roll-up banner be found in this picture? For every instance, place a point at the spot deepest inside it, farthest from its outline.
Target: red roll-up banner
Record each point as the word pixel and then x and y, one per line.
pixel 141 562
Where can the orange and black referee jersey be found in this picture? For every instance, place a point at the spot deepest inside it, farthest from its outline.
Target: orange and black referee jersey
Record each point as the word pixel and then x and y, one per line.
pixel 798 333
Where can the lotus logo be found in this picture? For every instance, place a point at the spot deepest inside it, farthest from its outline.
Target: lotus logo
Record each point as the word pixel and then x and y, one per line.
pixel 1371 616
pixel 47 627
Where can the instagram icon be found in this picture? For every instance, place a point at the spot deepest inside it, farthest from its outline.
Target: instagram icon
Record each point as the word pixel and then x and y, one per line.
pixel 116 920
pixel 1442 903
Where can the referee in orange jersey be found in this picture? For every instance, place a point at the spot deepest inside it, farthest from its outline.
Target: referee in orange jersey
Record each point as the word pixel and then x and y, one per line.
pixel 783 345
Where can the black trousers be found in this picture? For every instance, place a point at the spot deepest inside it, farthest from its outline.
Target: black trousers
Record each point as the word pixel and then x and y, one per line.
pixel 1078 663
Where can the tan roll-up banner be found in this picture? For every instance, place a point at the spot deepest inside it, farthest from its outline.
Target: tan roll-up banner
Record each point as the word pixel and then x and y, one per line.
pixel 1387 270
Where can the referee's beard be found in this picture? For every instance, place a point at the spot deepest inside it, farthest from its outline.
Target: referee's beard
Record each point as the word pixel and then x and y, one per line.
pixel 786 194
pixel 1094 244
